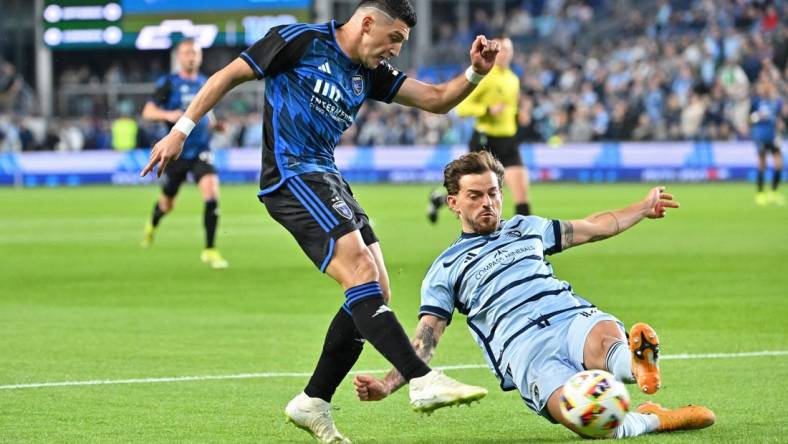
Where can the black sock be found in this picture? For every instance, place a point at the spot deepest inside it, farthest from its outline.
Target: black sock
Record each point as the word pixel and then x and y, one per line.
pixel 776 179
pixel 760 181
pixel 341 350
pixel 380 327
pixel 210 220
pixel 157 215
pixel 523 209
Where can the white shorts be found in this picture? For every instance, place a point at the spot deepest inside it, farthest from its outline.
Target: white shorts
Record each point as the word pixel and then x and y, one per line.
pixel 545 361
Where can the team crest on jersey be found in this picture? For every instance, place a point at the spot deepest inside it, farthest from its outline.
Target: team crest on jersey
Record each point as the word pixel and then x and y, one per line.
pixel 341 207
pixel 358 84
pixel 514 233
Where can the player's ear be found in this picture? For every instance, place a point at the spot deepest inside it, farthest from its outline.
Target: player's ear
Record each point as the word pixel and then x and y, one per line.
pixel 451 201
pixel 366 24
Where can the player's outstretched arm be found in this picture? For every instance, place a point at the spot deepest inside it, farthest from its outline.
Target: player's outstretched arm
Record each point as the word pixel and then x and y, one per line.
pixel 607 224
pixel 428 332
pixel 441 98
pixel 169 147
pixel 153 113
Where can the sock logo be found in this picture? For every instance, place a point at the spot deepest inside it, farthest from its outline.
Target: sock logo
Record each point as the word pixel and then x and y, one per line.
pixel 382 309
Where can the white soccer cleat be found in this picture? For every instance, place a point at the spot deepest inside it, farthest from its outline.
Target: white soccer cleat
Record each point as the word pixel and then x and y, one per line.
pixel 435 390
pixel 314 416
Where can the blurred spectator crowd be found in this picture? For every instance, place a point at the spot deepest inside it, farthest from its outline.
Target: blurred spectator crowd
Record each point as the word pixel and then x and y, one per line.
pixel 590 70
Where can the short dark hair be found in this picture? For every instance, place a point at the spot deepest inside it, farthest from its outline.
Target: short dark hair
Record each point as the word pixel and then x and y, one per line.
pixel 472 163
pixel 399 9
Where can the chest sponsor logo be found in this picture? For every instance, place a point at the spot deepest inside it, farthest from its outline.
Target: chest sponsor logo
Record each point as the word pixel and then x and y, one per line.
pixel 503 257
pixel 326 89
pixel 326 99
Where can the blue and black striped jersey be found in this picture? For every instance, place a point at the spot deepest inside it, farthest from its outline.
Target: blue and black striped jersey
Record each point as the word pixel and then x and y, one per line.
pixel 768 112
pixel 174 92
pixel 313 92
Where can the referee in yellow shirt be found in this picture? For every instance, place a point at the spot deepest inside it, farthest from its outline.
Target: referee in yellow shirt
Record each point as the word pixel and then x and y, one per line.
pixel 494 105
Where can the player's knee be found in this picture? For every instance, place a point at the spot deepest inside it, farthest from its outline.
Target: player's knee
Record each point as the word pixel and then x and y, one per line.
pixel 386 294
pixel 365 269
pixel 166 205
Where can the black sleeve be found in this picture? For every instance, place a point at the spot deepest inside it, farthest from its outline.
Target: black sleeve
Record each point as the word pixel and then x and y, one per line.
pixel 385 82
pixel 272 54
pixel 163 91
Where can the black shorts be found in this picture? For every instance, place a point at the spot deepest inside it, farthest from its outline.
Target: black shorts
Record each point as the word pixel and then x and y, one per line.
pixel 767 147
pixel 318 209
pixel 505 149
pixel 177 170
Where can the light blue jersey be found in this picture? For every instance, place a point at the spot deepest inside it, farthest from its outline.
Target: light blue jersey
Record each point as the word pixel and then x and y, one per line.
pixel 505 286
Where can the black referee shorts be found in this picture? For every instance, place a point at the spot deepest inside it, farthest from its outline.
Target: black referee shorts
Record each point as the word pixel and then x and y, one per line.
pixel 505 149
pixel 767 147
pixel 177 172
pixel 318 209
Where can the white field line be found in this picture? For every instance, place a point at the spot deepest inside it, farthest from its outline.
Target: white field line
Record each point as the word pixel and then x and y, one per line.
pixel 306 375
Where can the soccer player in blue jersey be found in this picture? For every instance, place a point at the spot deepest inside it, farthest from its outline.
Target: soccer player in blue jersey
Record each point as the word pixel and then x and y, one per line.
pixel 766 116
pixel 174 92
pixel 535 332
pixel 317 77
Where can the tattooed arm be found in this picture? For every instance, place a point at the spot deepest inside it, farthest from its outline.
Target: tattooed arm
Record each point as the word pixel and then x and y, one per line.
pixel 428 332
pixel 607 224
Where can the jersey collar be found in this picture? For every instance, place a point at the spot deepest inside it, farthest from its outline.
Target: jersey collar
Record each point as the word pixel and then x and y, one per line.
pixel 465 235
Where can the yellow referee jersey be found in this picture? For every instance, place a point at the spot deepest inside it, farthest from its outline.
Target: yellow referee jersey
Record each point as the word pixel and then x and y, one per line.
pixel 500 85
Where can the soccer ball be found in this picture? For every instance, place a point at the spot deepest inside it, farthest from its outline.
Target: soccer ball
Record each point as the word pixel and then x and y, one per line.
pixel 595 402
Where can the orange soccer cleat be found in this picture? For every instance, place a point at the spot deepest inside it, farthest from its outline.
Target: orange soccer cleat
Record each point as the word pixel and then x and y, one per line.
pixel 644 345
pixel 691 417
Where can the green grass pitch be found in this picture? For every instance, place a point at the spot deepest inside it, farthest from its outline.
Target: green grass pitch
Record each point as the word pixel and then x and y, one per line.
pixel 80 301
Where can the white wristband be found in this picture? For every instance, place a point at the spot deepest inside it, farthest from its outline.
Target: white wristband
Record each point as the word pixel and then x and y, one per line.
pixel 184 125
pixel 472 76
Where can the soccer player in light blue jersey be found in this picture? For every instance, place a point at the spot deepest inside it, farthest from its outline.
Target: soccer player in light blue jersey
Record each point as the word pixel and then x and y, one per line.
pixel 535 332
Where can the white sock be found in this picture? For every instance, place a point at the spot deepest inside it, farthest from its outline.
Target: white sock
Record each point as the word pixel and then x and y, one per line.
pixel 619 362
pixel 636 424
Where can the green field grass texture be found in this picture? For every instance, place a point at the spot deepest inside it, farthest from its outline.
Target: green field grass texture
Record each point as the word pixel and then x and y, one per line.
pixel 80 301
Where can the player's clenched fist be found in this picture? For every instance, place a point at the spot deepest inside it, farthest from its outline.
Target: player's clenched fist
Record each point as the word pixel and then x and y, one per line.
pixel 369 388
pixel 167 149
pixel 483 53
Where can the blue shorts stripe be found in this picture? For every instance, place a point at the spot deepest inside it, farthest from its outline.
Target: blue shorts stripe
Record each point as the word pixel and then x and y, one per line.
pixel 313 201
pixel 330 254
pixel 317 204
pixel 254 64
pixel 306 205
pixel 330 215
